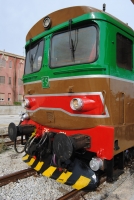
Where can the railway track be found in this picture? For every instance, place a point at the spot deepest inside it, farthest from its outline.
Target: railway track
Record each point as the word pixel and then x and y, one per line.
pixel 6 179
pixel 79 194
pixel 4 136
pixel 8 143
pixel 73 195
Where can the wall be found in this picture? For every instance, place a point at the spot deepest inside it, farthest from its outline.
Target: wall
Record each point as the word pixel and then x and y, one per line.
pixel 11 69
pixel 11 110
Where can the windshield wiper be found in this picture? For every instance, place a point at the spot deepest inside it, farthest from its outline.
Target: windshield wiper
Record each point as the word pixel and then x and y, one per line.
pixel 72 49
pixel 31 62
pixel 31 57
pixel 72 44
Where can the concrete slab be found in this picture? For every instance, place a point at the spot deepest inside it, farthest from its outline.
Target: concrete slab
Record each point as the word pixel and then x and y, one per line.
pixel 125 191
pixel 11 110
pixel 5 120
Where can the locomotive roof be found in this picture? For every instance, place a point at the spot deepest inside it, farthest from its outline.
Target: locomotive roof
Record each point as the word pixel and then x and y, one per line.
pixel 61 16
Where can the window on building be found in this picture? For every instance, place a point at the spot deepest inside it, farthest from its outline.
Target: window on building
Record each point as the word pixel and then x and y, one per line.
pixel 124 52
pixel 9 96
pixel 9 81
pixel 10 64
pixel 20 81
pixel 2 62
pixel 2 96
pixel 2 79
pixel 20 97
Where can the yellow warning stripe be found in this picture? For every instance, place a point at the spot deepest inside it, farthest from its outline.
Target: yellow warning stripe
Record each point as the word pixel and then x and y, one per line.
pixel 64 177
pixel 38 166
pixel 81 183
pixel 25 157
pixel 49 171
pixel 31 161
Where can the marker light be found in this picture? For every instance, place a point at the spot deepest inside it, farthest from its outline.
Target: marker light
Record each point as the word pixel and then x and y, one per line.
pixel 47 22
pixel 76 104
pixel 96 164
pixel 25 116
pixel 26 103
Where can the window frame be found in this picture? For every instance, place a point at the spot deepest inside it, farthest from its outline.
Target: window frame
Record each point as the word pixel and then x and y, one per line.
pixel 2 62
pixel 2 94
pixel 74 28
pixel 20 82
pixel 10 64
pixel 33 44
pixel 4 80
pixel 117 58
pixel 9 80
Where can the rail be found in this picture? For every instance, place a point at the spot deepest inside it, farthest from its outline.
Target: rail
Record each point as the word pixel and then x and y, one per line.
pixel 6 179
pixel 9 143
pixel 74 195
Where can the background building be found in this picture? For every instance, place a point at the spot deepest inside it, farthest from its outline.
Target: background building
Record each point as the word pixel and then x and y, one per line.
pixel 11 72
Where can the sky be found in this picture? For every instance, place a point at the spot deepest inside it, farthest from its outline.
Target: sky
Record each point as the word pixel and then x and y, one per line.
pixel 18 16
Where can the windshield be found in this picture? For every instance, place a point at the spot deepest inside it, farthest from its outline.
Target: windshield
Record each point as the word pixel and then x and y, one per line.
pixel 34 54
pixel 75 46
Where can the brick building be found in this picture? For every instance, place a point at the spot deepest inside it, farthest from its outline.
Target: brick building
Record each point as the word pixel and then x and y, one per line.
pixel 11 72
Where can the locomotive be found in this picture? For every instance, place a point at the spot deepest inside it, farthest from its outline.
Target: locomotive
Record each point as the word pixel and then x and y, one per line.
pixel 79 100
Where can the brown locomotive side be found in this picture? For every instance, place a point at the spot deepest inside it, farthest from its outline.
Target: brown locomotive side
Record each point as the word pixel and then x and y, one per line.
pixel 118 100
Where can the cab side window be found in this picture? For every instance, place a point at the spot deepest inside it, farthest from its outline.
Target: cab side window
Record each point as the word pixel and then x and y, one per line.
pixel 124 52
pixel 34 53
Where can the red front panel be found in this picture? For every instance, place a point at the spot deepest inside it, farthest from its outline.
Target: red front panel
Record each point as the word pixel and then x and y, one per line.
pixel 102 138
pixel 63 103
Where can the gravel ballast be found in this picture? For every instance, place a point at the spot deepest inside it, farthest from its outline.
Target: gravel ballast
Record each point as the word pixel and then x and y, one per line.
pixel 31 188
pixel 43 188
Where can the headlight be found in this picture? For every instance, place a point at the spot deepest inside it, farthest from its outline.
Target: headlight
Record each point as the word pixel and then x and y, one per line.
pixel 47 22
pixel 83 104
pixel 76 104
